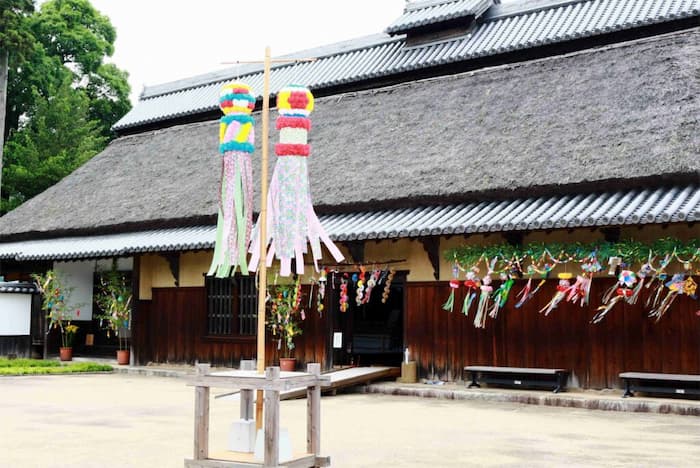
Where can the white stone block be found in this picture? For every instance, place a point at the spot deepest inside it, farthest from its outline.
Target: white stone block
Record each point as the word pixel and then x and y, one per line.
pixel 241 437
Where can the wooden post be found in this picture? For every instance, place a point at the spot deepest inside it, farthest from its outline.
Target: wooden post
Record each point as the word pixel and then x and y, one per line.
pixel 313 412
pixel 201 417
pixel 272 420
pixel 262 221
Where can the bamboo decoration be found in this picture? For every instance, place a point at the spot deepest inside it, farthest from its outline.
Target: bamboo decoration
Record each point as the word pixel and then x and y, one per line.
pixel 292 221
pixel 236 145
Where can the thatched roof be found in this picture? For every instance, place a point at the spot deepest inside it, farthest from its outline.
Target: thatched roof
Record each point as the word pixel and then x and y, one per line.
pixel 595 119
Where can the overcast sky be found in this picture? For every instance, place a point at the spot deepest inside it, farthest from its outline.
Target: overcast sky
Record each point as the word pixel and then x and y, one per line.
pixel 165 40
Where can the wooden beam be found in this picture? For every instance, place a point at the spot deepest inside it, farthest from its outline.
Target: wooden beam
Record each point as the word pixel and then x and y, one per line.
pixel 431 245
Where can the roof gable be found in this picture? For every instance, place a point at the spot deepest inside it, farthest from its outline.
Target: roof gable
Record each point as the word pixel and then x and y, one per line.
pixel 505 28
pixel 432 13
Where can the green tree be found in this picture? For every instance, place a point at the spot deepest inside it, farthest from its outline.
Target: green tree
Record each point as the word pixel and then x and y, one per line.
pixel 64 45
pixel 14 36
pixel 59 136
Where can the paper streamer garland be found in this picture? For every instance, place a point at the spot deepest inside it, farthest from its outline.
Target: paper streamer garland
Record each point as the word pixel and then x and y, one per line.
pixel 291 219
pixel 235 214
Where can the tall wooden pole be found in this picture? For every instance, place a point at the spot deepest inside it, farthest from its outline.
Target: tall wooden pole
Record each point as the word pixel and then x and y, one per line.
pixel 4 58
pixel 262 222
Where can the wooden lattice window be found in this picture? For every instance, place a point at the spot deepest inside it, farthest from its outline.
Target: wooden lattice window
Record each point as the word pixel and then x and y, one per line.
pixel 231 306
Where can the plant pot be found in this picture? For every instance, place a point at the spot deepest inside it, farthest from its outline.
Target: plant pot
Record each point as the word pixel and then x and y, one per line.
pixel 66 354
pixel 288 364
pixel 123 357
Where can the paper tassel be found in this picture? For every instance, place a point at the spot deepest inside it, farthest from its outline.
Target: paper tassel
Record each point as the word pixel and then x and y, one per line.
pixel 359 292
pixel 371 283
pixel 450 302
pixel 387 285
pixel 471 285
pixel 604 309
pixel 344 294
pixel 560 295
pixel 675 288
pixel 579 291
pixel 500 297
pixel 486 290
pixel 235 214
pixel 291 219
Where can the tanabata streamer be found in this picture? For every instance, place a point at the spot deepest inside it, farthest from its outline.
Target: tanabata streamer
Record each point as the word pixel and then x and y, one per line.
pixel 622 291
pixel 454 285
pixel 291 220
pixel 235 214
pixel 562 289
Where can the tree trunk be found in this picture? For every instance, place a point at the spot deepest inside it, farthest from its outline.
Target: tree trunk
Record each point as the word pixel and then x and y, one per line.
pixel 4 56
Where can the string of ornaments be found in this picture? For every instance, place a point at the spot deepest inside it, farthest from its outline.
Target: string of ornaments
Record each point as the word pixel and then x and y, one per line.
pixel 505 262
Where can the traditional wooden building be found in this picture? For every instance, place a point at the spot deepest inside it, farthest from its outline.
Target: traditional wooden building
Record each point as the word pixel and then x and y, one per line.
pixel 468 122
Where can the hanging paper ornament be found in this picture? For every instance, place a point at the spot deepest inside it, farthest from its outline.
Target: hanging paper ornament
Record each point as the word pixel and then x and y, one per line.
pixel 344 293
pixel 360 286
pixel 527 292
pixel 562 289
pixel 387 285
pixel 471 284
pixel 291 219
pixel 676 286
pixel 371 283
pixel 622 291
pixel 486 290
pixel 579 291
pixel 322 280
pixel 647 270
pixel 454 285
pixel 500 297
pixel 235 214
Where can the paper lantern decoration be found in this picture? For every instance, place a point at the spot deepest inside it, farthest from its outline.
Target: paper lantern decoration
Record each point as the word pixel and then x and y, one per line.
pixel 236 144
pixel 292 224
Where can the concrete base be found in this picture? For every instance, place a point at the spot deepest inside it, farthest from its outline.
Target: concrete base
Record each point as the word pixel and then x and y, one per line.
pixel 241 436
pixel 285 449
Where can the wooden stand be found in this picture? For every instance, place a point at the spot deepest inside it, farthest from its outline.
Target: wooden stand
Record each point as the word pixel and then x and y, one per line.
pixel 272 383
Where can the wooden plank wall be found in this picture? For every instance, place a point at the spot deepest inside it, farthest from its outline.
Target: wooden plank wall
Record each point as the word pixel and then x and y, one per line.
pixel 172 328
pixel 626 340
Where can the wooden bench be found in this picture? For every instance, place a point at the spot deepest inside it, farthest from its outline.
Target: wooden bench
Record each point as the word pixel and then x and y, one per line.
pixel 519 376
pixel 674 384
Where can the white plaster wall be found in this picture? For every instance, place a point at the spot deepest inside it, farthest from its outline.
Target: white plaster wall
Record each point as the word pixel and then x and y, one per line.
pixel 78 276
pixel 15 314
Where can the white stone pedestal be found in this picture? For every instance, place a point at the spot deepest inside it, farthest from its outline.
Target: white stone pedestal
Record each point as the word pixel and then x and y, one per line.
pixel 241 436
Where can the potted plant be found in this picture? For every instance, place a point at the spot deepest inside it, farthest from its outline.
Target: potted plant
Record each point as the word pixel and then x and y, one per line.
pixel 114 301
pixel 55 298
pixel 283 321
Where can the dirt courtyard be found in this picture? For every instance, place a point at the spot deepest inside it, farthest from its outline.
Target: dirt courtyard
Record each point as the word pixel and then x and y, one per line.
pixel 132 421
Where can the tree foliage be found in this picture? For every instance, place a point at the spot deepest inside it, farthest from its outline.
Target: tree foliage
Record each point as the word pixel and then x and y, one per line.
pixel 58 137
pixel 62 97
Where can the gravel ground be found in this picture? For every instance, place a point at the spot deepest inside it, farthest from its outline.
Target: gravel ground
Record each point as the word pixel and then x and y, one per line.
pixel 135 421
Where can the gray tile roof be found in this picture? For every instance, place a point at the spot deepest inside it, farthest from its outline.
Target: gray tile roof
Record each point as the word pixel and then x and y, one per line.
pixel 16 287
pixel 429 12
pixel 616 208
pixel 505 28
